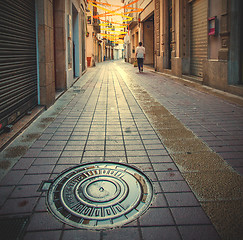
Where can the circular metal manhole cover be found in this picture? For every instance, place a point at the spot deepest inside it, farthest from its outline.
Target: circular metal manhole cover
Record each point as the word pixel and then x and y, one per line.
pixel 99 195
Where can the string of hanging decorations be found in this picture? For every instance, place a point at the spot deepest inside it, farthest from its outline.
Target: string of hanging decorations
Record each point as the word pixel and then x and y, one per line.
pixel 110 29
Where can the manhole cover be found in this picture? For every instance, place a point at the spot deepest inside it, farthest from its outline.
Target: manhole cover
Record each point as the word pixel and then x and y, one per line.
pixel 99 195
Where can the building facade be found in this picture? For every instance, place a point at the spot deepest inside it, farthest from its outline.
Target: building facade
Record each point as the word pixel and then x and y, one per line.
pixel 69 41
pixel 18 62
pixel 195 39
pixel 42 53
pixel 93 41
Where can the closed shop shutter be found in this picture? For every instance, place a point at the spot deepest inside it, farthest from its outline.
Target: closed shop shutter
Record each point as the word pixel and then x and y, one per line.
pixel 199 37
pixel 18 67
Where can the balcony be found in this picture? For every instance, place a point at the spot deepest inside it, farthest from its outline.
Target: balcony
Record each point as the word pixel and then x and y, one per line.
pixel 133 23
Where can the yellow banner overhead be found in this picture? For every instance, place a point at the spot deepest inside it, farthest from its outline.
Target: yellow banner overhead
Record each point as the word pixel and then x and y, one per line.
pixel 109 11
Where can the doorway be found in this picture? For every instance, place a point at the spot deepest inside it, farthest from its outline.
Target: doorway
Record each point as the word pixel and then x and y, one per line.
pixel 148 37
pixel 169 33
pixel 75 37
pixel 235 64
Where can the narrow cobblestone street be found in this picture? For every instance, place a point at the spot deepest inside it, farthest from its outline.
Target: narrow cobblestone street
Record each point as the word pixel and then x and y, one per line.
pixel 188 142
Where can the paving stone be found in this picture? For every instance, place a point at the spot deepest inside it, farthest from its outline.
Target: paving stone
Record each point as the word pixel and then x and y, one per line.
pixel 32 153
pixel 190 215
pixel 181 199
pixel 4 193
pixel 140 159
pixel 53 148
pixel 156 217
pixel 40 169
pixel 143 166
pixel 56 143
pixel 33 179
pixel 44 221
pixel 80 234
pixel 136 153
pixel 13 177
pixel 120 234
pixel 161 159
pixel 48 235
pixel 202 232
pixel 72 153
pixel 164 167
pixel 114 153
pixel 175 186
pixel 39 143
pixel 46 160
pixel 21 191
pixel 159 201
pixel 19 206
pixel 169 176
pixel 23 163
pixel 160 233
pixel 41 205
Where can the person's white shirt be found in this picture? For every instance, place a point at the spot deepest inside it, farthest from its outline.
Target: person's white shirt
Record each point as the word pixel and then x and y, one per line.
pixel 140 52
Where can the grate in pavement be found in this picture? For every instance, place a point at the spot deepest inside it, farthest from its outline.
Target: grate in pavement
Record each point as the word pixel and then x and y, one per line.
pixel 99 195
pixel 13 228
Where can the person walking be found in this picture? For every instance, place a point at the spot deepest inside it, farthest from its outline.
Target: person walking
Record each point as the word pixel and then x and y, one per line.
pixel 140 55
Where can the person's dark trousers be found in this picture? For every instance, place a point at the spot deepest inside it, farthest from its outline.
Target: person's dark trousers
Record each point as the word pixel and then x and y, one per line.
pixel 140 64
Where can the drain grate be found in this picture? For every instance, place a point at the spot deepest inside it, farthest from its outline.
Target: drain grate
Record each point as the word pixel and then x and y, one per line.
pixel 13 228
pixel 99 195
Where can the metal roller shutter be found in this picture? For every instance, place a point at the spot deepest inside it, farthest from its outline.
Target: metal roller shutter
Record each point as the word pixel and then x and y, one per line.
pixel 199 37
pixel 18 70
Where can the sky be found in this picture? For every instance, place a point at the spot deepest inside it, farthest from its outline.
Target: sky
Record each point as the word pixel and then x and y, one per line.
pixel 115 2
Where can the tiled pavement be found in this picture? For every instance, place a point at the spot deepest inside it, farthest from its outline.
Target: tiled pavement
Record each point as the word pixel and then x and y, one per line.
pixel 216 121
pixel 103 122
